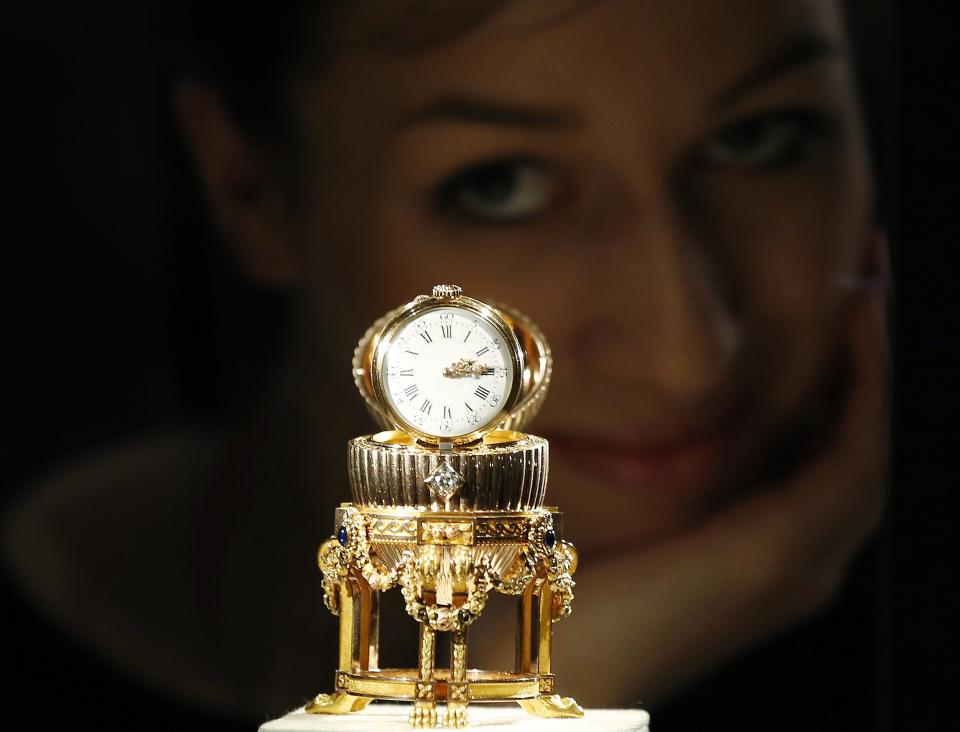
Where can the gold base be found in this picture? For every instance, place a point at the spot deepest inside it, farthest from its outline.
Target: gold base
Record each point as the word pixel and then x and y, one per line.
pixel 356 690
pixel 354 577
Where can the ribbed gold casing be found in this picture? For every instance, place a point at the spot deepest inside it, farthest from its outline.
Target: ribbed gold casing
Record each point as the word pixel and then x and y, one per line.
pixel 498 475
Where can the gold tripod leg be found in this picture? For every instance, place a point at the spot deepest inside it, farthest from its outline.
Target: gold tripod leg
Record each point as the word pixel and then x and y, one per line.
pixel 552 706
pixel 340 702
pixel 424 712
pixel 524 662
pixel 548 705
pixel 457 689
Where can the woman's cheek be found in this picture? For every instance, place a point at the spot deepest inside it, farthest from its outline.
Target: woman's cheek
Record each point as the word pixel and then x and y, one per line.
pixel 781 232
pixel 785 239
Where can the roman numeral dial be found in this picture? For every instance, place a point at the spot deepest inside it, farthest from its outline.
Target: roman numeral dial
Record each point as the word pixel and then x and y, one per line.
pixel 448 372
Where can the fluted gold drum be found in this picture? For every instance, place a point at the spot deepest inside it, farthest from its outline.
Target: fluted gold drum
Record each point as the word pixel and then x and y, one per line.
pixel 506 471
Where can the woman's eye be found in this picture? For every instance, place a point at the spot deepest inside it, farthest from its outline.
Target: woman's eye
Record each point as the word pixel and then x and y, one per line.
pixel 766 141
pixel 502 191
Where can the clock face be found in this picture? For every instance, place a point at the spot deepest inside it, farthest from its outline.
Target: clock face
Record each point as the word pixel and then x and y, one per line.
pixel 448 372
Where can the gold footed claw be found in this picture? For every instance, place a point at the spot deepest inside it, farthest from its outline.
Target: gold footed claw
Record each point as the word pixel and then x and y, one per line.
pixel 457 714
pixel 423 714
pixel 336 703
pixel 554 706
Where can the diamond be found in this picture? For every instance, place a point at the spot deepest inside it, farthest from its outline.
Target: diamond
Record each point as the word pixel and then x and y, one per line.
pixel 444 481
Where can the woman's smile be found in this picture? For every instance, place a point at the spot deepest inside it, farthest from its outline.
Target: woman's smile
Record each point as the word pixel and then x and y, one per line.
pixel 670 457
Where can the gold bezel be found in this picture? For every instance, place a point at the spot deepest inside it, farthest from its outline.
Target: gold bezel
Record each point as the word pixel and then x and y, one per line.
pixel 416 308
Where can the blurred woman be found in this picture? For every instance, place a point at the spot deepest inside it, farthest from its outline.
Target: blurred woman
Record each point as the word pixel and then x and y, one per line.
pixel 678 194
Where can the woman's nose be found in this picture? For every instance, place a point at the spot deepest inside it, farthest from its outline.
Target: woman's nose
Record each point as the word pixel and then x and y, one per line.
pixel 661 311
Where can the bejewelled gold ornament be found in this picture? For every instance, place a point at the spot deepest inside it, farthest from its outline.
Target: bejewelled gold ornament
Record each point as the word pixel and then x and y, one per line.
pixel 448 507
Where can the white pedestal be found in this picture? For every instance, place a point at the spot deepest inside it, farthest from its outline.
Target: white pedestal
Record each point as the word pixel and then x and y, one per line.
pixel 388 717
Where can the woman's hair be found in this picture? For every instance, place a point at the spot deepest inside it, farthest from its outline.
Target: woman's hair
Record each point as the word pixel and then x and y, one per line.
pixel 250 54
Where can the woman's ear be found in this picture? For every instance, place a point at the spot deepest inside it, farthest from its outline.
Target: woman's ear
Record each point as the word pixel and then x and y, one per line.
pixel 244 195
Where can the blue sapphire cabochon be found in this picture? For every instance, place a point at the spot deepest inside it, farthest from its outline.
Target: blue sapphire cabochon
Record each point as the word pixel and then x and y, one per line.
pixel 550 539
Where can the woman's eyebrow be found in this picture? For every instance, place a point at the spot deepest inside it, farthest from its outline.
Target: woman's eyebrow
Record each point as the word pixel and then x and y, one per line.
pixel 796 53
pixel 478 110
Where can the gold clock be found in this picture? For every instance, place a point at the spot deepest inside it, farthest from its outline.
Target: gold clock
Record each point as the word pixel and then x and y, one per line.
pixel 449 369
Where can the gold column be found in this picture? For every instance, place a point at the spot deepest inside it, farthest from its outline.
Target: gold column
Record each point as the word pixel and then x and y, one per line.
pixel 548 704
pixel 347 625
pixel 424 712
pixel 373 650
pixel 545 628
pixel 365 630
pixel 341 702
pixel 525 630
pixel 458 691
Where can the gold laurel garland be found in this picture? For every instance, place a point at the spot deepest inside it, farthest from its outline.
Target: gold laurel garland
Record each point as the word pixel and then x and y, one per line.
pixel 442 617
pixel 516 581
pixel 335 562
pixel 333 570
pixel 561 583
pixel 558 561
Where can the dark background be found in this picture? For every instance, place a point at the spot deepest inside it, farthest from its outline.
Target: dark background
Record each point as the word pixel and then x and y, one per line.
pixel 121 315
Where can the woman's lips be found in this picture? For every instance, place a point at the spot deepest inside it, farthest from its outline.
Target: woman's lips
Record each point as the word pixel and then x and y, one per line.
pixel 675 464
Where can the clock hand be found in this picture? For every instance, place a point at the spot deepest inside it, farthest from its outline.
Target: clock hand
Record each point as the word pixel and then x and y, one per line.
pixel 466 367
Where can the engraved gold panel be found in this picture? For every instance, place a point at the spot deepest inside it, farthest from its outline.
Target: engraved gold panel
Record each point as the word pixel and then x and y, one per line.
pixel 446 532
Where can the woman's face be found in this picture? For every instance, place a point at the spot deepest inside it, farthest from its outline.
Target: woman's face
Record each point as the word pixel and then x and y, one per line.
pixel 671 191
